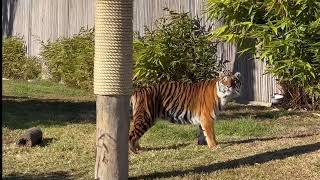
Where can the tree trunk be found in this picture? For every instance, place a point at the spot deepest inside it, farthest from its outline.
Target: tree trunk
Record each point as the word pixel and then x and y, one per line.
pixel 112 137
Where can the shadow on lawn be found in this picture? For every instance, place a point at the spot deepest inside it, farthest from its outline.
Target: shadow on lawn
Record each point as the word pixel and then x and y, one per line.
pixel 175 146
pixel 236 111
pixel 231 164
pixel 24 112
pixel 47 141
pixel 51 175
pixel 229 143
pixel 235 107
pixel 268 138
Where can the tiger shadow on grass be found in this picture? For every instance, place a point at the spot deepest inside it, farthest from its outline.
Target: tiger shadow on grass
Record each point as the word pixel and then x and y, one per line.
pixel 170 147
pixel 236 163
pixel 261 139
pixel 227 143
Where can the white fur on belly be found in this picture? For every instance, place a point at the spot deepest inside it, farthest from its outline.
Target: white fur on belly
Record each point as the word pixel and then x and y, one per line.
pixel 195 120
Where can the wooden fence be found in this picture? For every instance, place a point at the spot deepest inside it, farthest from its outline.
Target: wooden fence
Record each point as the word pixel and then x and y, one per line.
pixel 41 20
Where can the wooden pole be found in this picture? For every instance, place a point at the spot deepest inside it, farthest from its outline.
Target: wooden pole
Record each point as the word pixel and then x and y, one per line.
pixel 113 86
pixel 112 137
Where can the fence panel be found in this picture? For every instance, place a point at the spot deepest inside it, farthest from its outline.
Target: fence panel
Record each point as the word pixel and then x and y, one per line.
pixel 42 20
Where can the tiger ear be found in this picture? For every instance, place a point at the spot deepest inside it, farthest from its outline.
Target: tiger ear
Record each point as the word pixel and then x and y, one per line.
pixel 225 78
pixel 220 74
pixel 237 75
pixel 225 72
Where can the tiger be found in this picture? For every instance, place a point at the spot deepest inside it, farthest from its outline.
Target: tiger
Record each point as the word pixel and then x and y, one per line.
pixel 182 103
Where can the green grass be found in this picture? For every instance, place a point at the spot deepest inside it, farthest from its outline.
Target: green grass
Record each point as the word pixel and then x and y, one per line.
pixel 42 89
pixel 255 142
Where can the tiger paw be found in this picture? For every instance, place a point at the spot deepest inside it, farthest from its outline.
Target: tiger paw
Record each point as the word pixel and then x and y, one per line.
pixel 133 148
pixel 138 147
pixel 215 147
pixel 201 141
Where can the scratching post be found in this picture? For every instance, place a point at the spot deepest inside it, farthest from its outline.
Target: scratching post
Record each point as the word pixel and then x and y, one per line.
pixel 112 85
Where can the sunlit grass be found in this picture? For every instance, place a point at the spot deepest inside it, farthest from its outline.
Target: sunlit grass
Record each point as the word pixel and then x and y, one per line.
pixel 255 142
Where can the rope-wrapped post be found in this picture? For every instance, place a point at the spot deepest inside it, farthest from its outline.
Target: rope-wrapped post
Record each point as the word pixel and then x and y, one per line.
pixel 113 86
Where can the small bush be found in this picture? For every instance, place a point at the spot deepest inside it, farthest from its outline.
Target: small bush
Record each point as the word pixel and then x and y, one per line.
pixel 32 67
pixel 71 59
pixel 177 49
pixel 16 65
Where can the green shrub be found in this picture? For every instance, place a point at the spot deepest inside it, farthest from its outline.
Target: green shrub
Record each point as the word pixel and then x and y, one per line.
pixel 176 49
pixel 32 67
pixel 286 35
pixel 71 59
pixel 15 63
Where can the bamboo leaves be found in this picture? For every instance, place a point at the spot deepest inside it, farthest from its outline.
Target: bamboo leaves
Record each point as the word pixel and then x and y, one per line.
pixel 176 49
pixel 286 34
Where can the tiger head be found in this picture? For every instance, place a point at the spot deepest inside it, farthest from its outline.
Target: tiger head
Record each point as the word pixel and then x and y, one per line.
pixel 229 85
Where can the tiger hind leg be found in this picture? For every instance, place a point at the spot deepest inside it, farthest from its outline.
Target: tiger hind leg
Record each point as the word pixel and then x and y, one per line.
pixel 201 139
pixel 137 131
pixel 134 146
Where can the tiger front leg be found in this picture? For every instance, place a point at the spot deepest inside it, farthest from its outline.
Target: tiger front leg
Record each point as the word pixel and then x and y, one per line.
pixel 208 131
pixel 201 139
